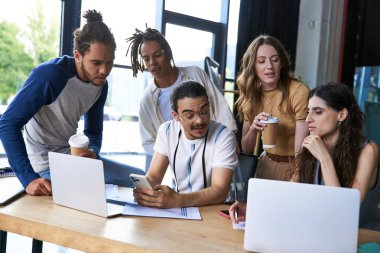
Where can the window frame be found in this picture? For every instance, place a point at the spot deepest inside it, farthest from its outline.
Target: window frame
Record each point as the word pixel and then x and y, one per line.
pixel 218 29
pixel 71 13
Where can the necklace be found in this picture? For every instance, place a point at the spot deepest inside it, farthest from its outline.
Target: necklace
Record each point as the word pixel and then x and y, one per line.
pixel 269 99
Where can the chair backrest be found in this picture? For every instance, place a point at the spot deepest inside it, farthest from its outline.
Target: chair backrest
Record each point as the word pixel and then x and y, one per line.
pixel 370 208
pixel 245 170
pixel 212 69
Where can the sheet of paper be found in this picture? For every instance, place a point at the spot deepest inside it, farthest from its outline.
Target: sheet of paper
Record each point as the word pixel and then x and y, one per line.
pixel 10 187
pixel 189 213
pixel 113 193
pixel 240 225
pixel 133 209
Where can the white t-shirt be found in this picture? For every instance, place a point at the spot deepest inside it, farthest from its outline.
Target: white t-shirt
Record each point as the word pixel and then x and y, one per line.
pixel 220 152
pixel 163 102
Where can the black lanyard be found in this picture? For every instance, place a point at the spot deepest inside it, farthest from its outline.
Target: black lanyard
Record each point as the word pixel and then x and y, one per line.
pixel 203 160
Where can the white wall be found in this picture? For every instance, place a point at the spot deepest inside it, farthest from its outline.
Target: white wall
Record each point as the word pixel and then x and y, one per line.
pixel 319 41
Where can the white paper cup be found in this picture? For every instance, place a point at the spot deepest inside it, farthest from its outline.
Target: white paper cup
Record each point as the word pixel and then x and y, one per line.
pixel 269 134
pixel 78 144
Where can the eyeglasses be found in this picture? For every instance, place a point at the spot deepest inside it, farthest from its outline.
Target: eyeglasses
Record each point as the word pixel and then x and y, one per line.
pixel 204 115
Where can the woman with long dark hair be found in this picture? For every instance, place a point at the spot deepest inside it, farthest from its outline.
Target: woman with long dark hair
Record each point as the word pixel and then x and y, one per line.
pixel 336 153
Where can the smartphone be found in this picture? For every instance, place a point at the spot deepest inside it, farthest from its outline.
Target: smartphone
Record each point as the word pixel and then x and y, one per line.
pixel 140 181
pixel 224 213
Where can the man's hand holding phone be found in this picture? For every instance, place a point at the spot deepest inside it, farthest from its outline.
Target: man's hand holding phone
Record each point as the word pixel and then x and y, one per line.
pixel 140 181
pixel 161 196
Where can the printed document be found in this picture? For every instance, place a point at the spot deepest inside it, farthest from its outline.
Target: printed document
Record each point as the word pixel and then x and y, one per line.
pixel 132 208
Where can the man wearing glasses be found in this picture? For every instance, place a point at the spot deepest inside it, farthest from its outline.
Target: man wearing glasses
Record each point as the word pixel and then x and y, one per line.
pixel 201 154
pixel 150 50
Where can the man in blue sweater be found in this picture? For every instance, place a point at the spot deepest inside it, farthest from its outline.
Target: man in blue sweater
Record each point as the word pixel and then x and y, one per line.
pixel 52 100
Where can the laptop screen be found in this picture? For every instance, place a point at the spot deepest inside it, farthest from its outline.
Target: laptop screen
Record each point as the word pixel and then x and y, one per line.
pixel 295 217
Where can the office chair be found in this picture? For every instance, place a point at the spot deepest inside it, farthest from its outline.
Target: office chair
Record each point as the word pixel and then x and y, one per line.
pixel 212 69
pixel 245 170
pixel 370 208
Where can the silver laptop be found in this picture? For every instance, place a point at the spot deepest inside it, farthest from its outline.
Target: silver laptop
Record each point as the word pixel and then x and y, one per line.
pixel 78 182
pixel 294 217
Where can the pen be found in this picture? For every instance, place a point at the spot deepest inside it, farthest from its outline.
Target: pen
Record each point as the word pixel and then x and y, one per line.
pixel 236 216
pixel 236 210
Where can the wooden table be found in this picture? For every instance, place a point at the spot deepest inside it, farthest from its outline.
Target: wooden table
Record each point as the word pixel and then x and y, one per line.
pixel 39 218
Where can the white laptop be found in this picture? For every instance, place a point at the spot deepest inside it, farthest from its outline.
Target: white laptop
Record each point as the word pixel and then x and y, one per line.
pixel 293 217
pixel 78 182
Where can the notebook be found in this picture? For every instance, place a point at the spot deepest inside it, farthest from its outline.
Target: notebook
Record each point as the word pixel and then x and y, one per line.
pixel 7 172
pixel 293 217
pixel 10 189
pixel 78 182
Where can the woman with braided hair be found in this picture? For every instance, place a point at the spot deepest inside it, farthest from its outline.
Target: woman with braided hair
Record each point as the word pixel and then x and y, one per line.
pixel 149 49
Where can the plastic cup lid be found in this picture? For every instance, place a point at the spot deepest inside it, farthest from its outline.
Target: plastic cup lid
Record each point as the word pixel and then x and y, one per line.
pixel 79 141
pixel 270 120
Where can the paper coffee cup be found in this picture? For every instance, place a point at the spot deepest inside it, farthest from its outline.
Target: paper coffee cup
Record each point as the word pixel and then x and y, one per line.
pixel 269 134
pixel 78 144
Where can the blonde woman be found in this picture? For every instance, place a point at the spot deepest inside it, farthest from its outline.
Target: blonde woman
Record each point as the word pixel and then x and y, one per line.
pixel 268 88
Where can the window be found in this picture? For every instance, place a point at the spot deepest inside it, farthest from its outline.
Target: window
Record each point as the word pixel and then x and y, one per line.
pixel 202 38
pixel 233 22
pixel 367 84
pixel 123 19
pixel 367 93
pixel 191 47
pixel 210 9
pixel 195 32
pixel 121 131
pixel 29 32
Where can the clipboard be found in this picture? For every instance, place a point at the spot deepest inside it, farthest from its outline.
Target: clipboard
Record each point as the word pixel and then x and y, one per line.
pixel 10 189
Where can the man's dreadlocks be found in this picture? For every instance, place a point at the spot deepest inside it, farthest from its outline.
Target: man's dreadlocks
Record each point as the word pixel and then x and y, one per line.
pixel 137 39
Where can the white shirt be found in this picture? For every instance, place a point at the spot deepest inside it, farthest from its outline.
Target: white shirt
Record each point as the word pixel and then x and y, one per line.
pixel 164 99
pixel 150 117
pixel 220 152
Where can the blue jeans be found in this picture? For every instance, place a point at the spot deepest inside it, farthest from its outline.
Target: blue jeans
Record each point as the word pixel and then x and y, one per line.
pixel 45 174
pixel 118 173
pixel 148 160
pixel 114 172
